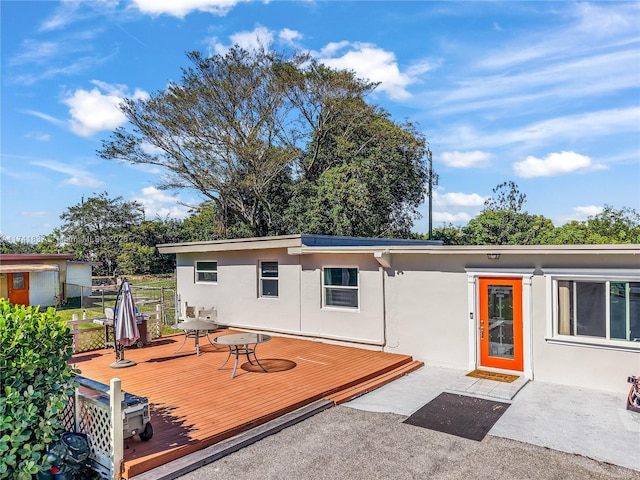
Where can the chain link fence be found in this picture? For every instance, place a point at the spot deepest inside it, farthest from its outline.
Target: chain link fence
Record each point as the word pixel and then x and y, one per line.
pixel 158 304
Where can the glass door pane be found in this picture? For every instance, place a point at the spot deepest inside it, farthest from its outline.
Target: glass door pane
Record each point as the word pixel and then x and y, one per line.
pixel 500 303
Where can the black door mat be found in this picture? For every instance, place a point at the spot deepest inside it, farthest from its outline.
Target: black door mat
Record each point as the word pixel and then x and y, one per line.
pixel 461 415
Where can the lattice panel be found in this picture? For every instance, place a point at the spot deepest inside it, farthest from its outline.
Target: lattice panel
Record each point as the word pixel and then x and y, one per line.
pixel 68 416
pixel 154 328
pixel 95 419
pixel 89 339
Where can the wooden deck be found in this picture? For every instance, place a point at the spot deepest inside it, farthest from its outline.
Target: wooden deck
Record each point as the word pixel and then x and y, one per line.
pixel 194 404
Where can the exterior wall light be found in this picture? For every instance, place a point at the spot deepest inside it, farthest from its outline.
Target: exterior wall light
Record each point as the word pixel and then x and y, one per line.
pixel 493 256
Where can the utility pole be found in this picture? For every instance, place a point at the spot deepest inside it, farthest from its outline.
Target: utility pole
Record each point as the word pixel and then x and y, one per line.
pixel 430 158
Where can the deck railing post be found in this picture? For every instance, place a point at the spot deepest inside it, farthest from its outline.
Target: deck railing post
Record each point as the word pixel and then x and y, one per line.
pixel 116 433
pixel 75 332
pixel 76 409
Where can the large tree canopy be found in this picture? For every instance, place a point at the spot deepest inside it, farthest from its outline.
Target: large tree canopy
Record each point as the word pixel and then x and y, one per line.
pixel 278 145
pixel 502 221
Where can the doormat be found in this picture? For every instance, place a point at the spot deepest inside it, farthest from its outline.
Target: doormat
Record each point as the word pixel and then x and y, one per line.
pixel 498 377
pixel 460 415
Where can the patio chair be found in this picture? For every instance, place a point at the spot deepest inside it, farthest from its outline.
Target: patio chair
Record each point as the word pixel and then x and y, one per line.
pixel 209 315
pixel 110 315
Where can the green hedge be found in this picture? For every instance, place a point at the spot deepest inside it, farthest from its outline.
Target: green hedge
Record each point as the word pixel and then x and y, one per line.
pixel 36 383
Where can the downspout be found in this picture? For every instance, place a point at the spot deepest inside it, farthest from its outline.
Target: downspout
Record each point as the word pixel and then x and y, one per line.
pixel 299 293
pixel 384 260
pixel 384 309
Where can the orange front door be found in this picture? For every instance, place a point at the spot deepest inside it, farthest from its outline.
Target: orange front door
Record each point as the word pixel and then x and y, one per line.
pixel 500 323
pixel 18 288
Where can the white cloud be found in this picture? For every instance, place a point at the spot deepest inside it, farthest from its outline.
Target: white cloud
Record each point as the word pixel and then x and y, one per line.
pixel 76 176
pixel 366 60
pixel 253 40
pixel 65 14
pixel 45 117
pixel 249 40
pixel 41 137
pixel 446 217
pixel 157 203
pixel 35 52
pixel 458 199
pixel 580 214
pixel 372 63
pixel 555 164
pixel 290 37
pixel 588 211
pixel 561 129
pixel 605 21
pixel 39 214
pixel 465 159
pixel 181 8
pixel 97 109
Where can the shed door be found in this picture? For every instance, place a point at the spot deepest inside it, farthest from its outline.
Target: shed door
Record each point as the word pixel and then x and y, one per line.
pixel 18 288
pixel 500 324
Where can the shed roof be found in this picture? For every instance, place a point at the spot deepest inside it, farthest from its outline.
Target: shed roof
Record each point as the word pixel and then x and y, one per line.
pixel 27 267
pixel 34 257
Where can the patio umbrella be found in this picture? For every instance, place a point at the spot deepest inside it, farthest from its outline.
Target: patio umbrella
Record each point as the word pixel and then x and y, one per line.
pixel 125 326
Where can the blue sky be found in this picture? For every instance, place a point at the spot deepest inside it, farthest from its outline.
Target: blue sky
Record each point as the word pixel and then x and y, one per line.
pixel 546 94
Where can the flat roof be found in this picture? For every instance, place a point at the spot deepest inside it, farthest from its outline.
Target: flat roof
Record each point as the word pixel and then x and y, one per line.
pixel 306 244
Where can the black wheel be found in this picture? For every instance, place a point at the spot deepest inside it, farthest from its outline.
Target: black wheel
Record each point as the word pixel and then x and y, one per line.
pixel 140 344
pixel 147 433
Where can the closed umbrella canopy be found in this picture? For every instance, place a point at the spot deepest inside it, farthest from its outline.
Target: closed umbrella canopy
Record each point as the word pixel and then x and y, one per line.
pixel 126 327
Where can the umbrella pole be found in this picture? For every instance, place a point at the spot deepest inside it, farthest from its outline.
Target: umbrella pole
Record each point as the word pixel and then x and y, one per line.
pixel 118 347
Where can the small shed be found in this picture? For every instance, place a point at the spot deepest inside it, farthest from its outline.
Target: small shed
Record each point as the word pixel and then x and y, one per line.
pixel 79 279
pixel 41 279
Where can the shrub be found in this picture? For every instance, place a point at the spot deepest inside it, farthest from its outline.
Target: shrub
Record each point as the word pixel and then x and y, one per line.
pixel 36 384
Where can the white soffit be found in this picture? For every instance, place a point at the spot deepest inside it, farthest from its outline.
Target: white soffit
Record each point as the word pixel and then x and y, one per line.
pixel 27 267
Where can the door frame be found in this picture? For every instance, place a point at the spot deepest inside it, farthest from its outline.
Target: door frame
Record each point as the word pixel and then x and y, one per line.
pixel 516 362
pixel 10 290
pixel 526 275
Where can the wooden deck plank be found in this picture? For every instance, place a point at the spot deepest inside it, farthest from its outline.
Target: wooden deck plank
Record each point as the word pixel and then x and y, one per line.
pixel 370 385
pixel 195 405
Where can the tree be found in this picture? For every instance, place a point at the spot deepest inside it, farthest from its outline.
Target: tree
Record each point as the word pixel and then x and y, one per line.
pixel 449 235
pixel 505 227
pixel 609 226
pixel 94 228
pixel 367 180
pixel 507 197
pixel 220 132
pixel 503 223
pixel 18 246
pixel 114 233
pixel 273 142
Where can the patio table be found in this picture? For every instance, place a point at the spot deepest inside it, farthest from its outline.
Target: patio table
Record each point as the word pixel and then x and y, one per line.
pixel 242 344
pixel 195 328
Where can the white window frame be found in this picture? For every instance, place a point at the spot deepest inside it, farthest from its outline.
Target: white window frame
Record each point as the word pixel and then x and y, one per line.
pixel 345 287
pixel 552 276
pixel 196 272
pixel 261 278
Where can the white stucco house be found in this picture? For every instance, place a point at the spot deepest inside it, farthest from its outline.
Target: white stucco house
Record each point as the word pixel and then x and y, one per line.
pixel 563 314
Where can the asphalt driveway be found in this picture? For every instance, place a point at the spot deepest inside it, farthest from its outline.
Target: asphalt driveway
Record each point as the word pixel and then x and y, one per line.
pixel 345 443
